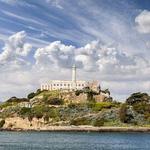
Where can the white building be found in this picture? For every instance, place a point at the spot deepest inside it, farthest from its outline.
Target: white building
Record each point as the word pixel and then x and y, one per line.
pixel 65 85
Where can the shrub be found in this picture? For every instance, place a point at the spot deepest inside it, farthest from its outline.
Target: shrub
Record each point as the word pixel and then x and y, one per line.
pixel 102 105
pixel 142 108
pixel 54 101
pixel 78 92
pixel 99 122
pixel 38 111
pixel 17 100
pixel 80 121
pixel 31 95
pixel 73 105
pixel 53 113
pixel 38 91
pixel 25 111
pixel 2 122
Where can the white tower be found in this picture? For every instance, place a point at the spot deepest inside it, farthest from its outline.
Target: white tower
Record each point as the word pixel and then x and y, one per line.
pixel 74 77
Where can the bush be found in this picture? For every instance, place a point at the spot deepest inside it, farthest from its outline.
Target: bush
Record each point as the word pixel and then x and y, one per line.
pixel 54 101
pixel 99 122
pixel 38 111
pixel 102 105
pixel 17 100
pixel 73 105
pixel 25 111
pixel 142 108
pixel 80 121
pixel 38 91
pixel 2 122
pixel 78 92
pixel 31 95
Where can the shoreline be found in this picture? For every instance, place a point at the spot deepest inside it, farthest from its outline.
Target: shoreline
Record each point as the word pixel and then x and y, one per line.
pixel 81 129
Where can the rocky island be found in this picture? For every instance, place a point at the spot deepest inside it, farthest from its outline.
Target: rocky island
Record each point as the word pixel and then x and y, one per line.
pixel 75 111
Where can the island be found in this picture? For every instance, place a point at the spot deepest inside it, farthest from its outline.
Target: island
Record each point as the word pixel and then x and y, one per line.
pixel 80 110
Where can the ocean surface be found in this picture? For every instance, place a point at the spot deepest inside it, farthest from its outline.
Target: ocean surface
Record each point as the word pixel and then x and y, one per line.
pixel 73 141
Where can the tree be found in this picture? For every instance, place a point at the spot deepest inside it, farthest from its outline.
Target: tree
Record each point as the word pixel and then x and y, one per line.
pixel 138 98
pixel 31 95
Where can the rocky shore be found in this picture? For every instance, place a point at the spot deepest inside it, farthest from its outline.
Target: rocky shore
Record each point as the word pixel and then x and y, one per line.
pixel 82 129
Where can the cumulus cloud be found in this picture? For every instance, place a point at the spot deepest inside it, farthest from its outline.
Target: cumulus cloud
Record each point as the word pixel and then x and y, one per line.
pixel 107 59
pixel 55 55
pixel 15 51
pixel 94 56
pixel 143 22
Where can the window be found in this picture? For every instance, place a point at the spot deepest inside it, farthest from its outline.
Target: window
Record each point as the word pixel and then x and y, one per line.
pixel 64 84
pixel 54 84
pixel 79 85
pixel 57 84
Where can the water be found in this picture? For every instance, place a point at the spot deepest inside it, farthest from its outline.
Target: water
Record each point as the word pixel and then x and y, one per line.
pixel 73 141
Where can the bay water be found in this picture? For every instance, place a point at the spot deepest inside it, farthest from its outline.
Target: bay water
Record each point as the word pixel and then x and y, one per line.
pixel 74 141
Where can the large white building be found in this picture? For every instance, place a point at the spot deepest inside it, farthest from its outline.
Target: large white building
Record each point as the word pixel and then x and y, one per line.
pixel 65 85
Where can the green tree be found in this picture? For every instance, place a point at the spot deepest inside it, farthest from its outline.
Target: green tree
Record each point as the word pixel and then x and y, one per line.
pixel 31 95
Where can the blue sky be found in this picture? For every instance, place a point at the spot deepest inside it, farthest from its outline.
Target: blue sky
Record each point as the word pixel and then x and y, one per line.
pixel 109 41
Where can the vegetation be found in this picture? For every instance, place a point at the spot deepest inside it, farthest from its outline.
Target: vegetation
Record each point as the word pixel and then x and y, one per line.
pixel 51 107
pixel 31 95
pixel 137 98
pixel 99 122
pixel 80 121
pixel 2 122
pixel 54 101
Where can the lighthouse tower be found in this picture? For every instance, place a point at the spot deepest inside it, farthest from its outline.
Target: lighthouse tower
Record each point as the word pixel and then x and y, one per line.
pixel 74 77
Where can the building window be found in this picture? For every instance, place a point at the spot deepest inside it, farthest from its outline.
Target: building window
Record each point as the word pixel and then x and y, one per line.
pixel 68 84
pixel 64 84
pixel 57 84
pixel 79 85
pixel 54 84
pixel 82 84
pixel 60 84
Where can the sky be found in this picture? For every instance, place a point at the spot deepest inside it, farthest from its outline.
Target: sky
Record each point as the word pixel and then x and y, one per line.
pixel 108 40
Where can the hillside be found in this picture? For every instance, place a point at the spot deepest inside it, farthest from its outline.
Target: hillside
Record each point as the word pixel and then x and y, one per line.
pixel 43 109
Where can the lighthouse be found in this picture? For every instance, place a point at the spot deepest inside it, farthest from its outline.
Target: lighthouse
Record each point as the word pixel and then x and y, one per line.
pixel 74 73
pixel 74 76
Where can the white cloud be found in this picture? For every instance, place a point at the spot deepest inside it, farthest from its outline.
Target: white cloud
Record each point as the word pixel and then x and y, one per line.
pixel 15 51
pixel 108 59
pixel 95 56
pixel 55 55
pixel 143 22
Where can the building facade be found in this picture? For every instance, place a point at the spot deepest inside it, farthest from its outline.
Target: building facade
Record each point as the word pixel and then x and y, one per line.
pixel 65 85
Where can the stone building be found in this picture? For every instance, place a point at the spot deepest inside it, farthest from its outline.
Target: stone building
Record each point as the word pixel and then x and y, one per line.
pixel 70 85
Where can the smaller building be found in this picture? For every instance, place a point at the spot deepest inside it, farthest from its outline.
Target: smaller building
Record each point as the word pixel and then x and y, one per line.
pixel 25 104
